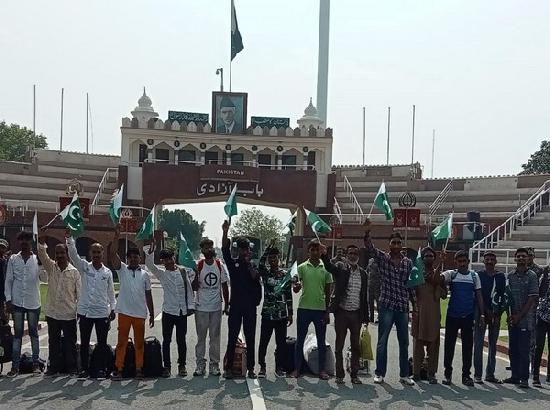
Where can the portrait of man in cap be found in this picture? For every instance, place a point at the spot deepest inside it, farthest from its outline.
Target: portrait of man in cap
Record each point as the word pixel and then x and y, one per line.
pixel 229 112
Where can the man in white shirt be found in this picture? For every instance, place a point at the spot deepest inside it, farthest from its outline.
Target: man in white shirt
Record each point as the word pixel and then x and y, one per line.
pixel 96 306
pixel 61 302
pixel 134 298
pixel 178 304
pixel 22 291
pixel 209 284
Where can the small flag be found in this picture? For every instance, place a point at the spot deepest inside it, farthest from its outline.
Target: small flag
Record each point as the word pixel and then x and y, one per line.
pixel 416 277
pixel 116 205
pixel 291 224
pixel 185 257
pixel 148 227
pixel 291 276
pixel 236 39
pixel 382 202
pixel 444 229
pixel 72 217
pixel 230 207
pixel 35 225
pixel 317 224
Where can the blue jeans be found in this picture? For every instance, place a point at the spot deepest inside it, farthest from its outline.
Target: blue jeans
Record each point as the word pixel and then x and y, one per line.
pixel 520 343
pixel 386 320
pixel 305 317
pixel 479 337
pixel 18 322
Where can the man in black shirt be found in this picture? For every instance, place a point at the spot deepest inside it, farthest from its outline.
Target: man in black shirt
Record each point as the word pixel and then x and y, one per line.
pixel 246 294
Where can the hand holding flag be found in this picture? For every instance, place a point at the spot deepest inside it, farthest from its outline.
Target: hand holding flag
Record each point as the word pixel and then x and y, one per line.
pixel 382 202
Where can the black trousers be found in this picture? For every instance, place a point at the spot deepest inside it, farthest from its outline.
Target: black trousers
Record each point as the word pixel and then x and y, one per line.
pixel 466 327
pixel 102 326
pixel 168 323
pixel 245 316
pixel 543 329
pixel 266 330
pixel 62 359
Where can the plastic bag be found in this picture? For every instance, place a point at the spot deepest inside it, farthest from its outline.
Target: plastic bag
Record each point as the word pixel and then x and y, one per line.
pixel 366 345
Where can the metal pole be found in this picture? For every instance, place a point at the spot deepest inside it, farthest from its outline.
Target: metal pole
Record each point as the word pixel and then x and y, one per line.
pixel 61 132
pixel 34 111
pixel 229 76
pixel 412 149
pixel 87 119
pixel 363 136
pixel 219 72
pixel 433 151
pixel 388 143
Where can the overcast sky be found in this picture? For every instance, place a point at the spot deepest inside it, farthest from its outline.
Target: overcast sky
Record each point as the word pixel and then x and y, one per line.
pixel 476 70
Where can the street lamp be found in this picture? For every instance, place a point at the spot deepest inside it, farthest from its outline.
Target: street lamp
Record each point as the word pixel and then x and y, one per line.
pixel 219 72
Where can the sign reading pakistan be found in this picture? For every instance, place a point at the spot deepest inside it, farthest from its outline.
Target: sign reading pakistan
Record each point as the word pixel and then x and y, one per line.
pixel 269 122
pixel 181 116
pixel 229 112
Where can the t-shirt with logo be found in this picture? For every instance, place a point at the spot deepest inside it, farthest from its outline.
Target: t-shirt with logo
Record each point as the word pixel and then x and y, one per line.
pixel 209 296
pixel 463 287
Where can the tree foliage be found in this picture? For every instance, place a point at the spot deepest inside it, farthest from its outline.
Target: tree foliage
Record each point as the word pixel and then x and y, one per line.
pixel 15 142
pixel 178 220
pixel 253 222
pixel 539 163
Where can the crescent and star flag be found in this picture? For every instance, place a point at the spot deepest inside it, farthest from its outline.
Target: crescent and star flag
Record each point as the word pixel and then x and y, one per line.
pixel 317 224
pixel 236 39
pixel 116 205
pixel 72 217
pixel 230 207
pixel 382 202
pixel 148 227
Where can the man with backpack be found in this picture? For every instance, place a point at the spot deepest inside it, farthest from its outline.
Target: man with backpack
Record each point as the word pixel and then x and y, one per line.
pixel 177 305
pixel 209 284
pixel 465 288
pixel 134 298
pixel 493 286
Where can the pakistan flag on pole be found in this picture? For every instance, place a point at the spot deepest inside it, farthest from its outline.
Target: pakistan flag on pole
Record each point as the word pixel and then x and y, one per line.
pixel 185 257
pixel 416 277
pixel 382 202
pixel 72 217
pixel 236 39
pixel 148 227
pixel 317 224
pixel 444 229
pixel 116 205
pixel 230 207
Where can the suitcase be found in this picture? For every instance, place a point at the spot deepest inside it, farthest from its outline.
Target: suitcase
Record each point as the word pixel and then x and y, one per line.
pixel 6 345
pixel 152 357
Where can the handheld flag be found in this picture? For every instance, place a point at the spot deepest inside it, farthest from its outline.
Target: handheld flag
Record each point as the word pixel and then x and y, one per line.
pixel 382 202
pixel 148 227
pixel 236 39
pixel 72 217
pixel 291 276
pixel 230 207
pixel 185 257
pixel 444 229
pixel 35 225
pixel 291 224
pixel 317 224
pixel 416 277
pixel 116 205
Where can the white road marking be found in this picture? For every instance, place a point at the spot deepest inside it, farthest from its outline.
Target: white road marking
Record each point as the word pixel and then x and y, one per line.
pixel 256 395
pixel 158 317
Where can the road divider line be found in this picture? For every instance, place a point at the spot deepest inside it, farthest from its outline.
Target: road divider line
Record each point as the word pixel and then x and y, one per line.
pixel 256 395
pixel 158 317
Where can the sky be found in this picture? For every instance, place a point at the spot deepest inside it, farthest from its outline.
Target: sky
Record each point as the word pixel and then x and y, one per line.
pixel 476 71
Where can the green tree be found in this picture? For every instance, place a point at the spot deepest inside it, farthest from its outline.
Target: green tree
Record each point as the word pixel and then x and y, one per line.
pixel 178 220
pixel 253 222
pixel 539 163
pixel 15 142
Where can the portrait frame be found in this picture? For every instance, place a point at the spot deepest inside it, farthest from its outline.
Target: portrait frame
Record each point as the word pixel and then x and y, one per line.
pixel 240 102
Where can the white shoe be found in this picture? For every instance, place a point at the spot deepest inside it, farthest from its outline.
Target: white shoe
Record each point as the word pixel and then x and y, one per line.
pixel 407 381
pixel 378 379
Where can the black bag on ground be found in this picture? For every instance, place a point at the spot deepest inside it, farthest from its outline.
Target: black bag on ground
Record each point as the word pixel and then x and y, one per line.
pixel 284 358
pixel 6 345
pixel 152 357
pixel 129 369
pixel 26 364
pixel 102 358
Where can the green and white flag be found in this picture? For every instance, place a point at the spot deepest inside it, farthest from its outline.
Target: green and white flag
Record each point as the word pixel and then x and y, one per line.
pixel 382 202
pixel 444 229
pixel 230 207
pixel 72 217
pixel 236 39
pixel 292 273
pixel 148 227
pixel 416 277
pixel 185 257
pixel 317 224
pixel 116 205
pixel 291 225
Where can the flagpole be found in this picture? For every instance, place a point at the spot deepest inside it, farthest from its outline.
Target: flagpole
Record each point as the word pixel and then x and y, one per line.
pixel 412 149
pixel 49 223
pixel 61 131
pixel 230 48
pixel 87 105
pixel 388 143
pixel 363 136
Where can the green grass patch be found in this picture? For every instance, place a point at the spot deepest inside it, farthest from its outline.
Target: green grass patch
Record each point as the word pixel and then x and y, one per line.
pixel 445 305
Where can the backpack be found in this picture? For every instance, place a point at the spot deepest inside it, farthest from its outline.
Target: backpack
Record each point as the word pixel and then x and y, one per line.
pixel 6 345
pixel 26 364
pixel 239 360
pixel 102 358
pixel 454 275
pixel 152 357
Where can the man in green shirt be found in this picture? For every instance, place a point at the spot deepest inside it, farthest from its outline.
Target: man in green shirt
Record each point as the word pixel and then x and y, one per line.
pixel 314 282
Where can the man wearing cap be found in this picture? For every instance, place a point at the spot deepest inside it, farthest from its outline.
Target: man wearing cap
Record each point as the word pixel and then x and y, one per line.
pixel 246 294
pixel 227 121
pixel 4 247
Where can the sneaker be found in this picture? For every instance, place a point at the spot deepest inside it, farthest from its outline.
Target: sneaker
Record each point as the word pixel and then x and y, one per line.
pixel 139 374
pixel 378 379
pixel 432 380
pixel 478 380
pixel 280 373
pixel 83 375
pixel 323 376
pixel 510 380
pixel 116 376
pixel 36 371
pixel 50 373
pixel 447 381
pixel 227 374
pixel 493 379
pixel 467 381
pixel 407 381
pixel 214 370
pixel 261 373
pixel 166 372
pixel 536 382
pixel 251 374
pixel 13 373
pixel 524 384
pixel 339 380
pixel 200 371
pixel 356 380
pixel 101 375
pixel 182 371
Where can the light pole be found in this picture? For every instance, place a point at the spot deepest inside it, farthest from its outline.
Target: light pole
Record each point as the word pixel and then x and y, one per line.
pixel 219 72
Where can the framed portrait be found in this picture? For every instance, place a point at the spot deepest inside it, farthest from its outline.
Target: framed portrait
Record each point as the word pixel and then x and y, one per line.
pixel 229 112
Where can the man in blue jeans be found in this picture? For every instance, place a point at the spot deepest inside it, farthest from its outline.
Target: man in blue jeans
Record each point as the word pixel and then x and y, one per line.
pixel 393 305
pixel 492 281
pixel 23 299
pixel 524 288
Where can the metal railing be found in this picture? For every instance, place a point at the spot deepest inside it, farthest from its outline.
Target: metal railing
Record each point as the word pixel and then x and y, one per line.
pixel 254 164
pixel 438 201
pixel 359 214
pixel 528 210
pixel 15 205
pixel 101 186
pixel 506 258
pixel 337 210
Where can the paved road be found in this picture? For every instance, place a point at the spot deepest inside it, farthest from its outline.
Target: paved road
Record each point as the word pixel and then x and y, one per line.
pixel 26 392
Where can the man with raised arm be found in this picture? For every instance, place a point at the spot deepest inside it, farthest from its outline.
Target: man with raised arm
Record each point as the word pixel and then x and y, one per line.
pixel 134 299
pixel 96 306
pixel 178 304
pixel 61 303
